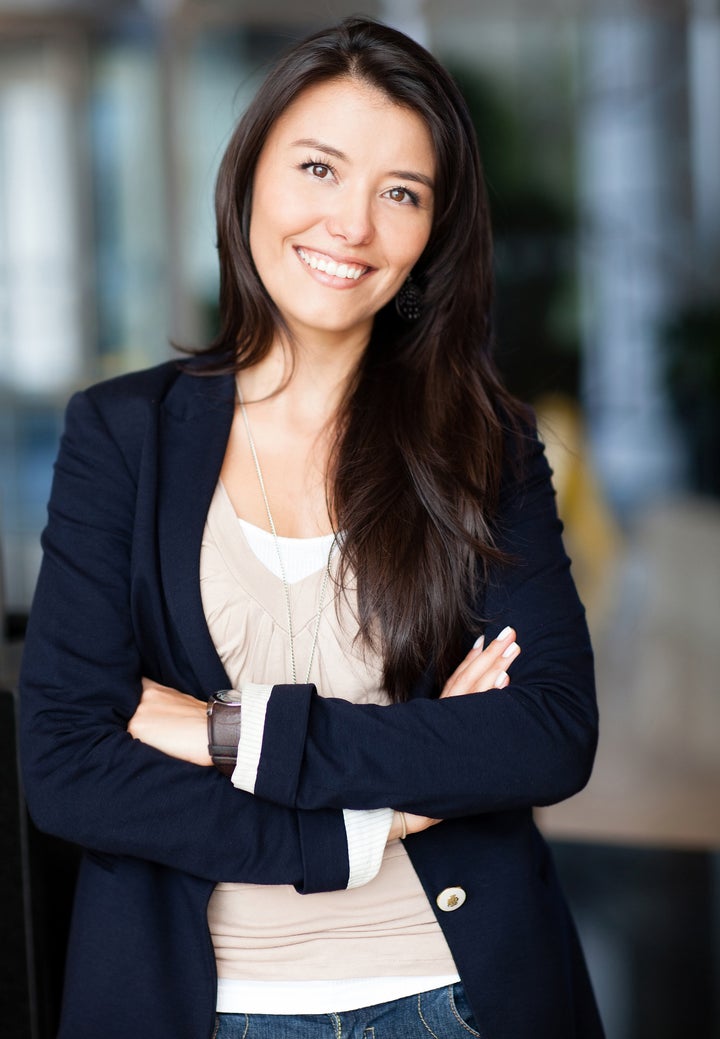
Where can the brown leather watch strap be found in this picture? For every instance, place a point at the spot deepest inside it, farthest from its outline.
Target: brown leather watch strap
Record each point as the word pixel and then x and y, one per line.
pixel 223 716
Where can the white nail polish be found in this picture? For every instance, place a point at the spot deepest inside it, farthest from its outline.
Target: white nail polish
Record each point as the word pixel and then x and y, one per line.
pixel 479 642
pixel 501 680
pixel 504 634
pixel 511 649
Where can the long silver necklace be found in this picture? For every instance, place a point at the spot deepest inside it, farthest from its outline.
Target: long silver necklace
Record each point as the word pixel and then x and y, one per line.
pixel 281 562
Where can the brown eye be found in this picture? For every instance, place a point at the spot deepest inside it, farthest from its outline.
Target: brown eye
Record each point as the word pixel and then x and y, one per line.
pixel 318 170
pixel 403 196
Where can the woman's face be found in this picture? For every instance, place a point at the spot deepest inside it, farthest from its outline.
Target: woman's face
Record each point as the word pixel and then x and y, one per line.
pixel 342 207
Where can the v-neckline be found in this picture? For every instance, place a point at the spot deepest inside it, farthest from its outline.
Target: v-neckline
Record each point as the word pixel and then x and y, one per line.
pixel 265 587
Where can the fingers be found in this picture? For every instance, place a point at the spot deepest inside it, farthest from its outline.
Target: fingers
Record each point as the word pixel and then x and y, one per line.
pixel 484 668
pixel 404 823
pixel 154 692
pixel 474 654
pixel 172 722
pixel 417 823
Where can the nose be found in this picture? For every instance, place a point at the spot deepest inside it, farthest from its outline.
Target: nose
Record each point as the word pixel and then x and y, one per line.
pixel 351 218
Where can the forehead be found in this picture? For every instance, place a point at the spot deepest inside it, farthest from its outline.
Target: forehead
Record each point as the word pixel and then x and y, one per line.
pixel 348 114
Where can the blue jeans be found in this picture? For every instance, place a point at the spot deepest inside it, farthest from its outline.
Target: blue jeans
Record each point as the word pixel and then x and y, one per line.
pixel 443 1013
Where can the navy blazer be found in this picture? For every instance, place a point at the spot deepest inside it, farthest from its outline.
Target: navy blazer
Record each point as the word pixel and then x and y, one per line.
pixel 118 597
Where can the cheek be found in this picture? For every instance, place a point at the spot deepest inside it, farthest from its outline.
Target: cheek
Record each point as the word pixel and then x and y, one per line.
pixel 410 247
pixel 262 223
pixel 268 231
pixel 407 234
pixel 282 207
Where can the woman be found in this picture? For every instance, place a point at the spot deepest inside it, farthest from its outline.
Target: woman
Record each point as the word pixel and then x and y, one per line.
pixel 321 512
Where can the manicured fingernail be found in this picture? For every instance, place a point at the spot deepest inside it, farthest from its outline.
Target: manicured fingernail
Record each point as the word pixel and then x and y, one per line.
pixel 511 649
pixel 479 642
pixel 502 680
pixel 504 634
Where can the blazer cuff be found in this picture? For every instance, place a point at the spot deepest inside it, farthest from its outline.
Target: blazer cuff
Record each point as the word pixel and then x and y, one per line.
pixel 323 844
pixel 283 747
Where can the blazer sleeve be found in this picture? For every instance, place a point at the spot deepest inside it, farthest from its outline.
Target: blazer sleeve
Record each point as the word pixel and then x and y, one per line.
pixel 532 743
pixel 85 778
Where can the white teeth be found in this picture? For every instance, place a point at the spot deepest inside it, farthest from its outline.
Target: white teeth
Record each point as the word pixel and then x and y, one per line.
pixel 337 270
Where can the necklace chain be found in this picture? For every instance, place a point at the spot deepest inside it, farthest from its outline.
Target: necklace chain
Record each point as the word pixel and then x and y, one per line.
pixel 281 562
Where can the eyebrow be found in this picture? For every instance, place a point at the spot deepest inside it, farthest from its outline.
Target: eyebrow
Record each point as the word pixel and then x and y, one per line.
pixel 312 142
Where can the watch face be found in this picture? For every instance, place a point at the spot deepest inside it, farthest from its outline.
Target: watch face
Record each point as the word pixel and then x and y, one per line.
pixel 229 696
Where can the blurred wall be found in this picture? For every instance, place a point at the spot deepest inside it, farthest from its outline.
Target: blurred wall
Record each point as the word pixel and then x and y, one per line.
pixel 601 141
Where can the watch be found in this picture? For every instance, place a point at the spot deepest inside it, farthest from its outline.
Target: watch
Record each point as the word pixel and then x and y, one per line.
pixel 223 723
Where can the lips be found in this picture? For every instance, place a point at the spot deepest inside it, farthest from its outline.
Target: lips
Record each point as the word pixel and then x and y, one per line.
pixel 327 265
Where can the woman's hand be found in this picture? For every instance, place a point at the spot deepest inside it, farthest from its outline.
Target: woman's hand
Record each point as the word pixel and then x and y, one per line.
pixel 481 670
pixel 176 723
pixel 484 669
pixel 413 824
pixel 172 722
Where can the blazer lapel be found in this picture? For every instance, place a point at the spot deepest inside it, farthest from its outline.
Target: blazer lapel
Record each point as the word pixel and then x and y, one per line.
pixel 194 428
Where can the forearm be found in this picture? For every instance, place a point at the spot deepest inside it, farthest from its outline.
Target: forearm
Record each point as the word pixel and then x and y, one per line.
pixel 88 781
pixel 484 752
pixel 530 743
pixel 99 621
pixel 105 791
pixel 184 728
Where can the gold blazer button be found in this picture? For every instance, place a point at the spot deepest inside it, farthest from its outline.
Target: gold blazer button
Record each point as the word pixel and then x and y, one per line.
pixel 451 899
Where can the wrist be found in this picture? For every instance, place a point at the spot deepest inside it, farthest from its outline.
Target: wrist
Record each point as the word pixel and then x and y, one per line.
pixel 398 829
pixel 224 710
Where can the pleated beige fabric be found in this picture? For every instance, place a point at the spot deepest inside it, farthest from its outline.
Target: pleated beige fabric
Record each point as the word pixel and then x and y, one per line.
pixel 382 929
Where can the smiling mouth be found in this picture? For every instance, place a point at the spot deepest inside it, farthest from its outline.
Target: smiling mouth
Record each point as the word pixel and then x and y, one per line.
pixel 320 262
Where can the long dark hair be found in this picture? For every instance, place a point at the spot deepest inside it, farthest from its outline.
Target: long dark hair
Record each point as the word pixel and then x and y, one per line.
pixel 416 467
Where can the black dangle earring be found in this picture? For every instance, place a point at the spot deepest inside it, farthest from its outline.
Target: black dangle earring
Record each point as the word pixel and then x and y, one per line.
pixel 408 301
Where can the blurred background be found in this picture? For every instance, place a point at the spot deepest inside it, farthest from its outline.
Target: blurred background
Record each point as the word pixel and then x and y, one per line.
pixel 599 123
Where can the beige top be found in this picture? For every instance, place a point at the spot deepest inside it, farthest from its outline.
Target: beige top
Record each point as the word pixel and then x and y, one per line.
pixel 382 929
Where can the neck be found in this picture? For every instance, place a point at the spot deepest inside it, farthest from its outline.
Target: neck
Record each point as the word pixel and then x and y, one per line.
pixel 307 381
